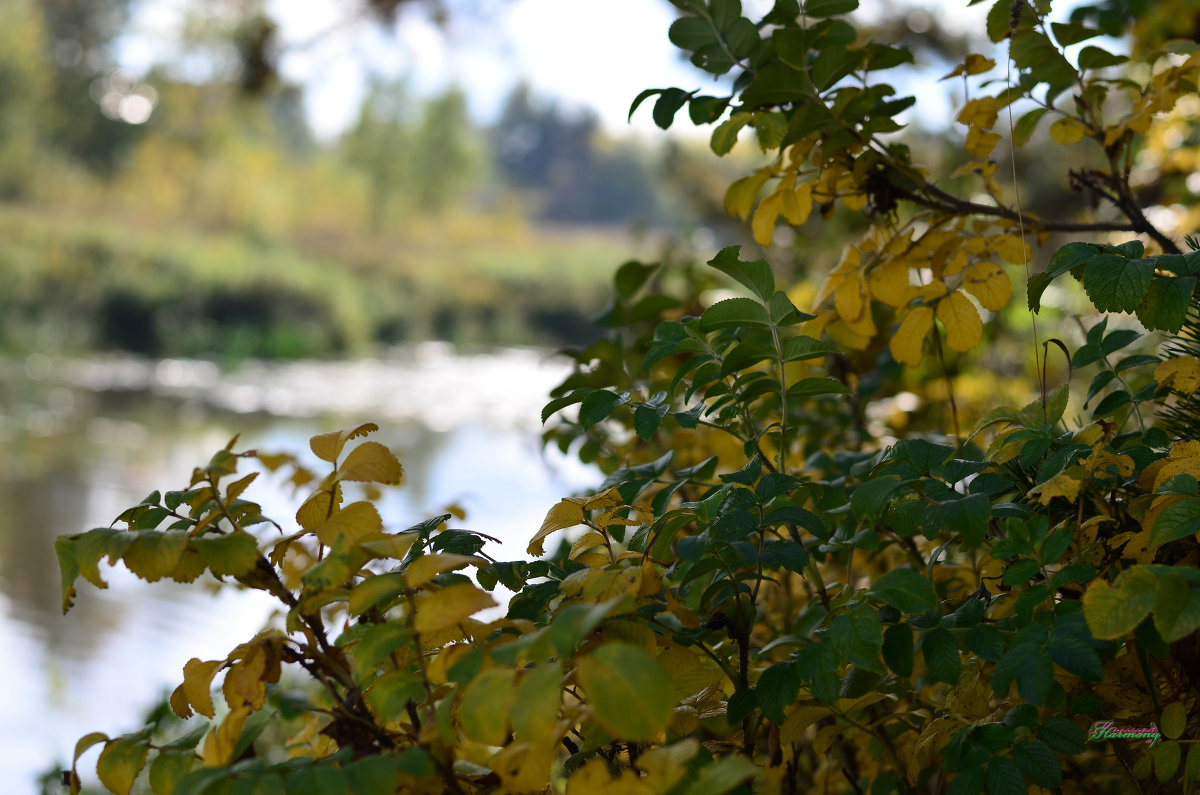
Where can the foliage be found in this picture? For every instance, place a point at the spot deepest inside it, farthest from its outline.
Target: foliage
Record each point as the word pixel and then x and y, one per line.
pixel 761 596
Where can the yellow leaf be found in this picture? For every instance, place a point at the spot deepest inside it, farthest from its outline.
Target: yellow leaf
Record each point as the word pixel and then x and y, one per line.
pixel 1067 131
pixel 797 204
pixel 954 263
pixel 371 462
pixel 799 719
pixel 889 284
pixel 848 300
pixel 1009 248
pixel 357 520
pixel 963 326
pixel 763 225
pixel 932 291
pixel 390 546
pixel 1183 459
pixel 907 346
pixel 740 196
pixel 423 569
pixel 979 113
pixel 524 767
pixel 258 664
pixel 221 742
pixel 588 540
pixel 1064 484
pixel 988 282
pixel 594 779
pixel 974 64
pixel 1181 373
pixel 567 513
pixel 980 143
pixel 925 750
pixel 196 690
pixel 444 608
pixel 483 710
pixel 315 509
pixel 328 446
pixel 609 498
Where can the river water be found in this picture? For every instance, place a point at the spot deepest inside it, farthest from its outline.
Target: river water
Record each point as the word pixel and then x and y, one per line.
pixel 80 441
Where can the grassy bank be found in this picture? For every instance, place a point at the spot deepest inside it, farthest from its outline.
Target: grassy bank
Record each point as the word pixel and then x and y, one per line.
pixel 76 284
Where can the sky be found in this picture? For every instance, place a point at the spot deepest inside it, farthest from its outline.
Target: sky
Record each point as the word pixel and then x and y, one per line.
pixel 582 54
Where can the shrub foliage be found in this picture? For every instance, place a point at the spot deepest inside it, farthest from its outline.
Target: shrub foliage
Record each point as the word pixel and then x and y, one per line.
pixel 760 596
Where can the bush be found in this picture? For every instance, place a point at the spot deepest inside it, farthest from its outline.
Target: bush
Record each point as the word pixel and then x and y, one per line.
pixel 762 596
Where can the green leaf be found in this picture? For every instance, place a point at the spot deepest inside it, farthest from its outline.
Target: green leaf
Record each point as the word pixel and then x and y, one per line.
pixel 1114 612
pixel 598 405
pixel 967 516
pixel 153 555
pixel 1176 608
pixel 630 692
pixel 755 275
pixel 647 417
pixel 986 641
pixel 391 693
pixel 1098 58
pixel 1178 520
pixel 723 776
pixel 898 649
pixel 777 689
pixel 538 697
pixel 725 134
pixel 1166 761
pixel 229 555
pixel 801 347
pixel 858 637
pixel 829 8
pixel 485 705
pixel 668 104
pixel 574 622
pixel 691 33
pixel 1062 735
pixel 733 313
pixel 870 498
pixel 941 655
pixel 1116 284
pixel 968 782
pixel 1004 777
pixel 169 768
pixel 1068 33
pixel 1174 720
pixel 817 386
pixel 121 761
pixel 906 590
pixel 1166 302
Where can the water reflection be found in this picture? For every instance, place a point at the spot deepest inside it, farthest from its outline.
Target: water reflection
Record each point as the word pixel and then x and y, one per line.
pixel 81 441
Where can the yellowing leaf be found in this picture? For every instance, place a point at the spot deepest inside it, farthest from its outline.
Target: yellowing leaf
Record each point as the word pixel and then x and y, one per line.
pixel 1183 459
pixel 979 113
pixel 328 446
pixel 740 196
pixel 120 762
pixel 1067 131
pixel 666 764
pixel 763 224
pixel 373 590
pixel 196 690
pixel 355 521
pixel 257 665
pixel 423 569
pixel 980 143
pixel 373 463
pixel 390 546
pixel 154 555
pixel 609 498
pixel 314 510
pixel 988 282
pixel 594 779
pixel 538 697
pixel 796 205
pixel 483 710
pixel 448 606
pixel 588 540
pixel 849 299
pixel 799 719
pixel 629 691
pixel 907 346
pixel 963 326
pixel 1113 612
pixel 221 742
pixel 524 767
pixel 1181 373
pixel 567 513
